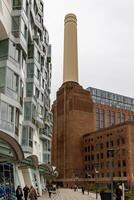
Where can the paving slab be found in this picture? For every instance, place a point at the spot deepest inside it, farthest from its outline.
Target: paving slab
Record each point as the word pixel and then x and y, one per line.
pixel 69 194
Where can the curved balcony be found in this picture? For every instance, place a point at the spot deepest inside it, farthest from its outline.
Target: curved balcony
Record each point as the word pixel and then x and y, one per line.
pixel 5 20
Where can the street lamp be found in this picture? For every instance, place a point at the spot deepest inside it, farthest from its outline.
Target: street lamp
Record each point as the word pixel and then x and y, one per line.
pixel 96 175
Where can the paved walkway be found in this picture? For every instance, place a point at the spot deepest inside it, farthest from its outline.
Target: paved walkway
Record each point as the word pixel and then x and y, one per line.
pixel 68 194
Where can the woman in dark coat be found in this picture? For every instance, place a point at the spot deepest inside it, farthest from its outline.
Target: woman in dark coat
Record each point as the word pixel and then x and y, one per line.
pixel 19 193
pixel 118 193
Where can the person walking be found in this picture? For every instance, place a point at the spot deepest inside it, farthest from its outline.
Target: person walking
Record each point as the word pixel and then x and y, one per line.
pixel 83 190
pixel 26 191
pixel 75 188
pixel 32 193
pixel 118 193
pixel 49 191
pixel 19 193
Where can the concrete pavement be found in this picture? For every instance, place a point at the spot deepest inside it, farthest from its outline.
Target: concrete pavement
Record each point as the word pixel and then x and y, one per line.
pixel 69 194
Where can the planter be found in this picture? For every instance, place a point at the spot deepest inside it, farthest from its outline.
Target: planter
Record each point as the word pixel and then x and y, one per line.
pixel 106 196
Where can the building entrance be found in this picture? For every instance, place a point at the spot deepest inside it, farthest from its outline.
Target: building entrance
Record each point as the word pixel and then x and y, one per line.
pixel 7 187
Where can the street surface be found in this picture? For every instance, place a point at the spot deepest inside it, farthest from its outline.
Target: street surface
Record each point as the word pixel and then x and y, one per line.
pixel 69 194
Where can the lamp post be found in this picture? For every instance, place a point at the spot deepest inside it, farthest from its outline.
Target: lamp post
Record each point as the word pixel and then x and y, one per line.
pixel 96 174
pixel 111 154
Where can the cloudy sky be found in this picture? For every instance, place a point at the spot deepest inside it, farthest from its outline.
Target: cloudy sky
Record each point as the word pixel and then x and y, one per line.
pixel 105 42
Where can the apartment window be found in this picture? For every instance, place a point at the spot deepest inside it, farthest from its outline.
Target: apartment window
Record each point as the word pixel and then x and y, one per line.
pixel 112 118
pixel 88 157
pixel 10 114
pixel 124 174
pixel 119 163
pixel 92 157
pixel 119 174
pixel 29 89
pixel 17 118
pixel 43 83
pixel 12 80
pixel 4 110
pixel 124 163
pixel 98 156
pixel 92 147
pixel 101 155
pixel 38 74
pixel 85 158
pixel 17 4
pixel 27 136
pixel 122 117
pixel 4 49
pixel 30 70
pixel 101 145
pixel 30 51
pixel 118 141
pixel 7 113
pixel 27 111
pixel 26 8
pixel 118 117
pixel 25 32
pixel 2 76
pixel 108 118
pixel 37 93
pixel 38 57
pixel 102 117
pixel 30 137
pixel 108 165
pixel 97 119
pixel 85 149
pixel 14 51
pixel 16 25
pixel 111 143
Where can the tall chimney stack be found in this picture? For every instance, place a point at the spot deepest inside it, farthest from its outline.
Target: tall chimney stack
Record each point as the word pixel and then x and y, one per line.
pixel 70 69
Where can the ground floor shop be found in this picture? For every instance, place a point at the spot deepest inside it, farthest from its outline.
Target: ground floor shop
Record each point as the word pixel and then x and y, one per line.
pixel 16 169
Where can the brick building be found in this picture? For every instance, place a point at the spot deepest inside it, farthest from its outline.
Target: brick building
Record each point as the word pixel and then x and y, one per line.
pixel 89 126
pixel 108 153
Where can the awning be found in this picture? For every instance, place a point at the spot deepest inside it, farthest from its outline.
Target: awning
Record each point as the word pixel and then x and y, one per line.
pixel 10 148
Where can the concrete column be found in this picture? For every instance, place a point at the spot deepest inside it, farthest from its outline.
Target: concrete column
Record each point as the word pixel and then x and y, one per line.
pixel 70 68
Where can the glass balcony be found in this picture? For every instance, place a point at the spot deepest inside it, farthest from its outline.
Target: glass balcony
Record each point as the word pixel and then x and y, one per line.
pixel 7 126
pixel 17 4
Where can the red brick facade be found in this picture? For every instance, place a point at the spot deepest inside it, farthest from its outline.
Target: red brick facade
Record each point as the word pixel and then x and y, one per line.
pixel 76 117
pixel 72 111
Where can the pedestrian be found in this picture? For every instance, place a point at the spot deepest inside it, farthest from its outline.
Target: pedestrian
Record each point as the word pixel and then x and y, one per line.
pixel 19 193
pixel 83 189
pixel 26 191
pixel 118 193
pixel 32 193
pixel 49 191
pixel 75 188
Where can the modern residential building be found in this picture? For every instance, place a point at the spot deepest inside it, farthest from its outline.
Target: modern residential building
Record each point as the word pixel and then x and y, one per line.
pixel 25 85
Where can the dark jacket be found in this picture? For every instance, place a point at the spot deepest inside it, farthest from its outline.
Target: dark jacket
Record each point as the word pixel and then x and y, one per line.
pixel 118 194
pixel 26 190
pixel 19 193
